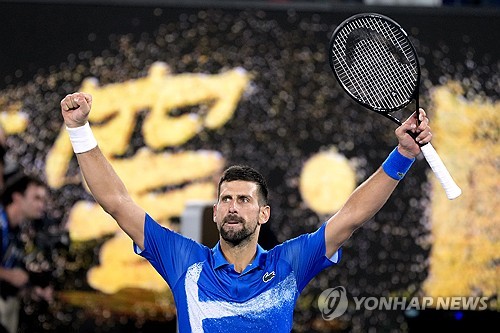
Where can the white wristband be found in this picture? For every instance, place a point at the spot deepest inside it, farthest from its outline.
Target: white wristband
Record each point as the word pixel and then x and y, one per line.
pixel 82 139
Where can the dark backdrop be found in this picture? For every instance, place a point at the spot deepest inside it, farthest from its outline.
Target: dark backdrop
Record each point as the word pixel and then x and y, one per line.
pixel 286 51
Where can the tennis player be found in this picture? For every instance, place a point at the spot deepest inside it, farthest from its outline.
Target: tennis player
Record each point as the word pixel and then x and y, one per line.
pixel 236 286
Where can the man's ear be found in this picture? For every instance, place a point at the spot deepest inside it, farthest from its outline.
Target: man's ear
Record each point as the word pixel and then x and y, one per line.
pixel 265 214
pixel 16 196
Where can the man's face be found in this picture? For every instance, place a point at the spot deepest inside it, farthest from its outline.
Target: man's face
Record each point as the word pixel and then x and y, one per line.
pixel 33 202
pixel 237 212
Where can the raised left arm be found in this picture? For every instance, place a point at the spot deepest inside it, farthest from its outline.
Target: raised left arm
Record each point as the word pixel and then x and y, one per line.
pixel 371 195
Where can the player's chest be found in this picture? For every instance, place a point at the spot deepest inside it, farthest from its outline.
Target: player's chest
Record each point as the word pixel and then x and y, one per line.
pixel 224 283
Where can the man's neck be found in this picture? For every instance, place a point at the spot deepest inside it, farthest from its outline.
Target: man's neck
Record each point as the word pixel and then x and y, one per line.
pixel 240 255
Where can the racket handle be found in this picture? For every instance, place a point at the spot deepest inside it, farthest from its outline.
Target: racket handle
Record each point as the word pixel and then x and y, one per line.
pixel 450 187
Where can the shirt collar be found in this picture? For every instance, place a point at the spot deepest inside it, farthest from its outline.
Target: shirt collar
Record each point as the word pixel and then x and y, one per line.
pixel 220 260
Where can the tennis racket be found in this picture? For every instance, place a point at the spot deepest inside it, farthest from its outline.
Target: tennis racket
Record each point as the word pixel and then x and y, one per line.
pixel 377 65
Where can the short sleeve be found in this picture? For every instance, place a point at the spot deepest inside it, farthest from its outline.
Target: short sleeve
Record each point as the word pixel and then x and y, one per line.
pixel 306 255
pixel 169 252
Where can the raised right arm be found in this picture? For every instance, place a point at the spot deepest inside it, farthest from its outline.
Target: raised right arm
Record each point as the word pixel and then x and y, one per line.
pixel 103 182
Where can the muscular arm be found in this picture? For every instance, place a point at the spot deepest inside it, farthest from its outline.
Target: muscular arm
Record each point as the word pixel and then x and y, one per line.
pixel 362 205
pixel 104 184
pixel 110 192
pixel 371 195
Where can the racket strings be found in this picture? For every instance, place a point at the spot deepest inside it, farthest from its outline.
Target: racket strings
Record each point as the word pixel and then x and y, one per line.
pixel 375 66
pixel 384 71
pixel 386 77
pixel 400 79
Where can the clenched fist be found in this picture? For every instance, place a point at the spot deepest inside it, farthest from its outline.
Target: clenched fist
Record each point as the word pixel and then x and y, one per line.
pixel 75 109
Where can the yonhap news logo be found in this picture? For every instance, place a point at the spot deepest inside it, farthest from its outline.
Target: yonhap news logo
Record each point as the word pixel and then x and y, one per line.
pixel 333 303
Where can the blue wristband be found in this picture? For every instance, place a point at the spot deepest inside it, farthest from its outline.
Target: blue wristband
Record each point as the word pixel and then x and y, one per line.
pixel 396 165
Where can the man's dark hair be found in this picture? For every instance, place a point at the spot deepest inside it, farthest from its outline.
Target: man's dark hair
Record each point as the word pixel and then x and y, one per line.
pixel 245 173
pixel 18 184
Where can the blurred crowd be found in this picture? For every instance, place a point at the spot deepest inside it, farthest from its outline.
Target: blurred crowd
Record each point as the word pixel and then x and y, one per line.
pixel 27 242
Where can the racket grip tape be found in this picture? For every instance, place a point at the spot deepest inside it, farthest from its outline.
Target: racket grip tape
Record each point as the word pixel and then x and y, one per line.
pixel 450 187
pixel 396 165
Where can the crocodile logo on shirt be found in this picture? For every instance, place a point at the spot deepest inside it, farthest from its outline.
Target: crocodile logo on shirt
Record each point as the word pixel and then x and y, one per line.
pixel 268 276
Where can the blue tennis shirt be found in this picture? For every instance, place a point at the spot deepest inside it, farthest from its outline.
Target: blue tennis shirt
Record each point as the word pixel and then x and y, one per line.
pixel 210 296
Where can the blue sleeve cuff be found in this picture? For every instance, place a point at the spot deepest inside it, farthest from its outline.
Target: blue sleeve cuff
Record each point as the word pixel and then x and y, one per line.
pixel 336 256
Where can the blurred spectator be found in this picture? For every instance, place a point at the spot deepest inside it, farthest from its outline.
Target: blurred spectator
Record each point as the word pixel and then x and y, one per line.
pixel 23 200
pixel 3 151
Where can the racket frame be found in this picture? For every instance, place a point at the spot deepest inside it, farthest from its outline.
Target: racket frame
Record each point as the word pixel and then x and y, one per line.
pixel 384 112
pixel 450 187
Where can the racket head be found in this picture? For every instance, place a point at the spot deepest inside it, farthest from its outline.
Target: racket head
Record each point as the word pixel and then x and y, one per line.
pixel 375 62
